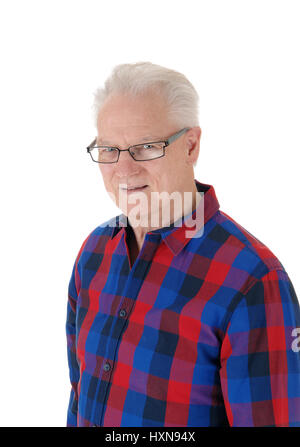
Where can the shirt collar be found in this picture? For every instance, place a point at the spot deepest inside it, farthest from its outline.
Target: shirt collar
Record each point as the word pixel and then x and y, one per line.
pixel 176 237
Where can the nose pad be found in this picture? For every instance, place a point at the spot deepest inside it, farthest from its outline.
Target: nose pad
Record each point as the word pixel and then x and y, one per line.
pixel 127 165
pixel 125 153
pixel 125 159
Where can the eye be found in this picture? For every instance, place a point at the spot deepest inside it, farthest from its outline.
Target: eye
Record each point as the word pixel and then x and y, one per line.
pixel 147 146
pixel 108 149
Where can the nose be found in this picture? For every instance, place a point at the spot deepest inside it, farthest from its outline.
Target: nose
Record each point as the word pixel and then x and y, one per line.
pixel 126 164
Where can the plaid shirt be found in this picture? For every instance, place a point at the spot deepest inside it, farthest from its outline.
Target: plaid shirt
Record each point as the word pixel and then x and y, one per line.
pixel 200 331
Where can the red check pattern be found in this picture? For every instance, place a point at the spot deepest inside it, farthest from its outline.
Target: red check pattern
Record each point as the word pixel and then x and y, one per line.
pixel 198 332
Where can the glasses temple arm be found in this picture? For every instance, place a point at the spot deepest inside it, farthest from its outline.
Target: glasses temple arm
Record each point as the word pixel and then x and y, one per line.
pixel 92 144
pixel 177 135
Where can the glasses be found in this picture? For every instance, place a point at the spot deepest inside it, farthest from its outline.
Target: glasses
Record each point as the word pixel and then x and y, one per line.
pixel 139 152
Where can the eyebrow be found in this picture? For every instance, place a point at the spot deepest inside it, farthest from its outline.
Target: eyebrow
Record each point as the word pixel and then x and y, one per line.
pixel 143 140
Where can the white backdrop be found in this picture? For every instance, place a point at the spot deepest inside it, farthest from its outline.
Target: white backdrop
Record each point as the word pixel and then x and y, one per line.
pixel 242 56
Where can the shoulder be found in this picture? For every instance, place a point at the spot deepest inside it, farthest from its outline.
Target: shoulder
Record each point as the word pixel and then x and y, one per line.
pixel 264 282
pixel 245 250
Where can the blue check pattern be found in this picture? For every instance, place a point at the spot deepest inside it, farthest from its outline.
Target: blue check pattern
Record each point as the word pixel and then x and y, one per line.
pixel 199 331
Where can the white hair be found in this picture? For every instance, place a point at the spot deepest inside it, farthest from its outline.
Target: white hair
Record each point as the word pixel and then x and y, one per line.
pixel 135 79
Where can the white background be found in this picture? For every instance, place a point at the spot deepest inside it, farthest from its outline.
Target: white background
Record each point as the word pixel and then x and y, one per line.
pixel 243 58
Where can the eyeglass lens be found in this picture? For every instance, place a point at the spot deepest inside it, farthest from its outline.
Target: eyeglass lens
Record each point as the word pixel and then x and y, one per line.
pixel 140 152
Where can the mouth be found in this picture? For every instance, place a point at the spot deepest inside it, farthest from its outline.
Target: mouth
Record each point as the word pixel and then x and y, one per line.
pixel 130 189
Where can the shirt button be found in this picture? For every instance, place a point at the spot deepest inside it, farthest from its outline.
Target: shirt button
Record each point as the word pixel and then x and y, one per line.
pixel 122 313
pixel 106 367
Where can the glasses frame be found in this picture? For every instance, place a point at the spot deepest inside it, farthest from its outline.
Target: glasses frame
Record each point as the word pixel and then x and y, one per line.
pixel 166 142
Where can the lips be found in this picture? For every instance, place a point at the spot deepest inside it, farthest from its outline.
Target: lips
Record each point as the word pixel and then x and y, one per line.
pixel 135 188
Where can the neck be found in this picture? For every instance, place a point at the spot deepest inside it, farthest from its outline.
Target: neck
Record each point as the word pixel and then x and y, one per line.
pixel 187 206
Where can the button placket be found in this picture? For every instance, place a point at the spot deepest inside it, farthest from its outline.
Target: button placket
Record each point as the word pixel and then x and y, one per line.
pixel 130 294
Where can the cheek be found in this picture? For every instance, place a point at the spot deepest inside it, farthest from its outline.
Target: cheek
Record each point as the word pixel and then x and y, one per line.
pixel 162 174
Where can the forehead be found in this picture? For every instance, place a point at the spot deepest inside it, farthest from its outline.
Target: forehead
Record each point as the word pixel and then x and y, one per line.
pixel 141 117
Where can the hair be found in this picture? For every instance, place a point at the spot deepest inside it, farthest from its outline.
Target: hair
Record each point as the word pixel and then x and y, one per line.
pixel 136 79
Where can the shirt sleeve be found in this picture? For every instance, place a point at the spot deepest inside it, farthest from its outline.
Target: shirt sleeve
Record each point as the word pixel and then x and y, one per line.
pixel 74 372
pixel 71 351
pixel 260 358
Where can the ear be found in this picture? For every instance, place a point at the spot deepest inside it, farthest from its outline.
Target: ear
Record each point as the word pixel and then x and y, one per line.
pixel 193 145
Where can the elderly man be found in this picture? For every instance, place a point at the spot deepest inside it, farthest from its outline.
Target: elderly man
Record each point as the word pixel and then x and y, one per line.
pixel 181 319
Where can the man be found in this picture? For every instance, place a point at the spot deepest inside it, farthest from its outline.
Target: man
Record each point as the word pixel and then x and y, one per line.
pixel 169 325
